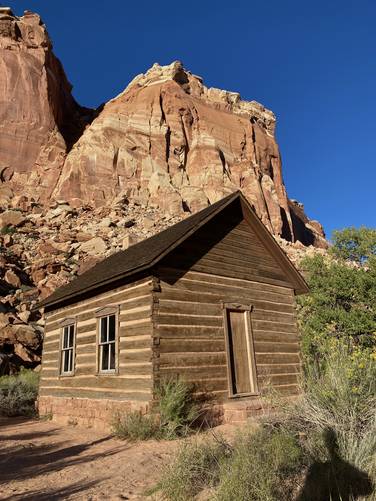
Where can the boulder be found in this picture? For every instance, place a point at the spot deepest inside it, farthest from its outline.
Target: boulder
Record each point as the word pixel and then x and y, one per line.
pixel 94 247
pixel 12 279
pixel 11 218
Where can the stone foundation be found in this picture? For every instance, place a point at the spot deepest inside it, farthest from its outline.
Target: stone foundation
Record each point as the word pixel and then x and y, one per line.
pixel 239 410
pixel 99 413
pixel 90 413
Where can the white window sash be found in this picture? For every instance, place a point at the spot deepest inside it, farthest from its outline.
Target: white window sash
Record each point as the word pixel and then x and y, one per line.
pixel 67 349
pixel 108 343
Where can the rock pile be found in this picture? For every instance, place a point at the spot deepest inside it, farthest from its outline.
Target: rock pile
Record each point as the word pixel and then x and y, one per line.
pixel 44 248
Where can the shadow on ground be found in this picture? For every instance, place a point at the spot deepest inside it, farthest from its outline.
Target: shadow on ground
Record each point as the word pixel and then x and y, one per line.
pixel 25 460
pixel 335 479
pixel 58 494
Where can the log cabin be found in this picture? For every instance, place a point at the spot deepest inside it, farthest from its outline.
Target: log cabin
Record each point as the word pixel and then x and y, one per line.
pixel 211 299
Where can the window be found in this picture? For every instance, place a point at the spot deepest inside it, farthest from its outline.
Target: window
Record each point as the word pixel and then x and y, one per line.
pixel 107 343
pixel 67 349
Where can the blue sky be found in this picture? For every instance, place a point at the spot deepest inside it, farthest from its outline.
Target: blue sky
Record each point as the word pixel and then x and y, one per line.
pixel 312 63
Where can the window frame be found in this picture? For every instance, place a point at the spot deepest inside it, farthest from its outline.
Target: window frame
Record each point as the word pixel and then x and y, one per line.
pixel 246 309
pixel 67 323
pixel 99 314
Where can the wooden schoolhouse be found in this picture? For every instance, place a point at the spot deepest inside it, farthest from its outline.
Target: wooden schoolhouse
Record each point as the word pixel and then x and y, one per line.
pixel 210 299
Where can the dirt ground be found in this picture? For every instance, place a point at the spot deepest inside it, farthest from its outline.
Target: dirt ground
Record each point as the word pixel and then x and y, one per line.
pixel 44 462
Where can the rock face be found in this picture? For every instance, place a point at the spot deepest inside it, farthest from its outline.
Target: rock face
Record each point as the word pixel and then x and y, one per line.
pixel 39 119
pixel 169 141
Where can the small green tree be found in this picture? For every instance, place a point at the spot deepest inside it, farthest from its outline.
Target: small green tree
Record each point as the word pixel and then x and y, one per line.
pixel 354 244
pixel 342 302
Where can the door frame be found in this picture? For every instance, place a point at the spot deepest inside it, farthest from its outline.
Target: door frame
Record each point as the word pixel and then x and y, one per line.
pixel 246 309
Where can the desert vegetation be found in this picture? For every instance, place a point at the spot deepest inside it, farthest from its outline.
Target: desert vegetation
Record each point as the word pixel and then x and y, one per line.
pixel 323 445
pixel 18 393
pixel 174 415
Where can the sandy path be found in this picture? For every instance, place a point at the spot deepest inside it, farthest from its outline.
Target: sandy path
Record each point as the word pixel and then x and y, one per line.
pixel 44 462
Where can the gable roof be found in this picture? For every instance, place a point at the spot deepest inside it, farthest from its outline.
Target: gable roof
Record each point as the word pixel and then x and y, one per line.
pixel 148 252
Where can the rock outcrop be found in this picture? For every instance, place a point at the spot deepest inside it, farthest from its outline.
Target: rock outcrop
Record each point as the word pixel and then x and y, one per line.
pixel 168 141
pixel 39 119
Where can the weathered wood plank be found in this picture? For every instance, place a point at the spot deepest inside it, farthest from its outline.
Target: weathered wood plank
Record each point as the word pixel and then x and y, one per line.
pixel 211 303
pixel 97 382
pixel 85 350
pixel 192 359
pixel 190 320
pixel 276 347
pixel 277 358
pixel 193 372
pixel 214 292
pixel 202 277
pixel 85 393
pixel 230 270
pixel 271 326
pixel 184 331
pixel 138 315
pixel 266 370
pixel 47 348
pixel 264 336
pixel 191 345
pixel 142 355
pixel 129 343
pixel 189 307
pixel 118 296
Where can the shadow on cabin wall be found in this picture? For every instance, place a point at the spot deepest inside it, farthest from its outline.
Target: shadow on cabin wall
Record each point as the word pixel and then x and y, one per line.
pixel 199 244
pixel 335 479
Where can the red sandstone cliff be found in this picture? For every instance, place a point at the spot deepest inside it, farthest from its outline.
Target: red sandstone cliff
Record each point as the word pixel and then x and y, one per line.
pixel 167 141
pixel 39 119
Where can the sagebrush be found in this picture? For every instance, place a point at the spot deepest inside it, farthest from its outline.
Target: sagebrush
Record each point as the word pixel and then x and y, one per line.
pixel 173 416
pixel 18 393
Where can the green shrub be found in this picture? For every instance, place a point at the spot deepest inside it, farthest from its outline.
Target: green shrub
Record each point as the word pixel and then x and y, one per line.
pixel 262 467
pixel 135 426
pixel 342 301
pixel 341 398
pixel 8 230
pixel 195 468
pixel 173 416
pixel 18 393
pixel 176 407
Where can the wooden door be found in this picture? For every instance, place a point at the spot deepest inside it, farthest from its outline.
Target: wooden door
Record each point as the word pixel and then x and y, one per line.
pixel 241 359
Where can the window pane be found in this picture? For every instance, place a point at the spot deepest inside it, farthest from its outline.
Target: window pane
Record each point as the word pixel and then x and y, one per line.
pixel 104 357
pixel 65 362
pixel 103 329
pixel 71 336
pixel 111 328
pixel 112 357
pixel 70 357
pixel 65 337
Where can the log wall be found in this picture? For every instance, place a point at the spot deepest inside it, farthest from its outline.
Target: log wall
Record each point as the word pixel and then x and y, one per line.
pixel 224 262
pixel 189 330
pixel 133 380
